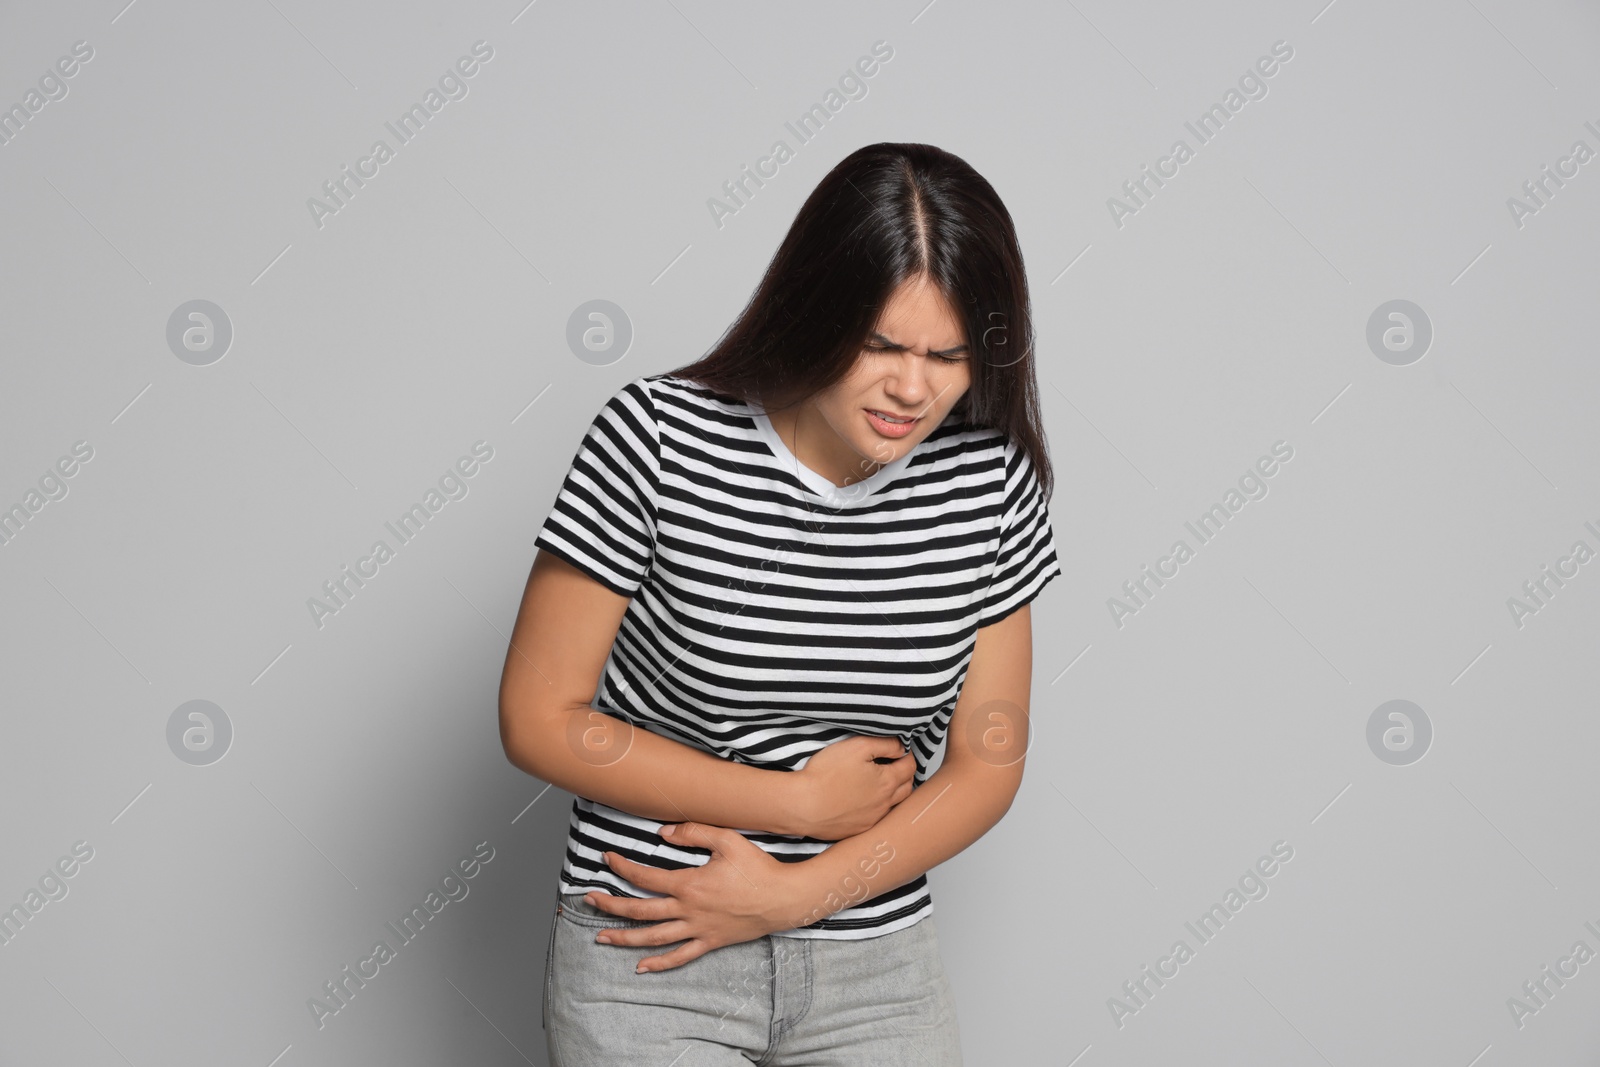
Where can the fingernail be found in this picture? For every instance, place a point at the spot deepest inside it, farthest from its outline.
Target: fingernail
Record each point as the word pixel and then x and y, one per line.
pixel 640 969
pixel 669 828
pixel 589 900
pixel 603 939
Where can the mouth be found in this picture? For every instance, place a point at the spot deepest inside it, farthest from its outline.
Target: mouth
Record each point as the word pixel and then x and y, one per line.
pixel 891 424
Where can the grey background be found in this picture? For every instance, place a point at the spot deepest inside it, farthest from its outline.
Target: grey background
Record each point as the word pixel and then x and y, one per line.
pixel 431 312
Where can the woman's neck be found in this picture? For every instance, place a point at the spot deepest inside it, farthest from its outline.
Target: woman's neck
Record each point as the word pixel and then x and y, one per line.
pixel 803 429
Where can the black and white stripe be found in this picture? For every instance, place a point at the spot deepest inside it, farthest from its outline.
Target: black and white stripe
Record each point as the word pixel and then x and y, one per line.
pixel 774 613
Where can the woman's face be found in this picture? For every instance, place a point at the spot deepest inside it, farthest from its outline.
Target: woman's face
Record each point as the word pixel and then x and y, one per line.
pixel 917 363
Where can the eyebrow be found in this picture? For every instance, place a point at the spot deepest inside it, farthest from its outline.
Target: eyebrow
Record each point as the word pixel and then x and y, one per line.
pixel 932 352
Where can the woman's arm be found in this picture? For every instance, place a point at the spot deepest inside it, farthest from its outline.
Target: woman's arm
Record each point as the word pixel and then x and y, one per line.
pixel 969 793
pixel 564 631
pixel 742 893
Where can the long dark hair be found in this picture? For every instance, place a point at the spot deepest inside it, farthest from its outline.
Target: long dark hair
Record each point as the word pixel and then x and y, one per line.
pixel 886 213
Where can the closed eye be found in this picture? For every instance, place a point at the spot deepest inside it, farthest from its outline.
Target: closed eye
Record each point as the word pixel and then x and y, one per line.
pixel 940 356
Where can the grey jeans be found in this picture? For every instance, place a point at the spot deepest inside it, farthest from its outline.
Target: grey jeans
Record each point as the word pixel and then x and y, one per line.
pixel 884 1000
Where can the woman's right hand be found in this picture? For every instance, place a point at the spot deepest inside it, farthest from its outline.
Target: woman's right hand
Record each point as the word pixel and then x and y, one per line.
pixel 844 792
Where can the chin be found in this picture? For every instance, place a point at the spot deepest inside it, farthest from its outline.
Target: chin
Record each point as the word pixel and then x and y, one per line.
pixel 884 451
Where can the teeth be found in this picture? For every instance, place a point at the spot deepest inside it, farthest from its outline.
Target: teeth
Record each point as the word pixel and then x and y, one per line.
pixel 888 418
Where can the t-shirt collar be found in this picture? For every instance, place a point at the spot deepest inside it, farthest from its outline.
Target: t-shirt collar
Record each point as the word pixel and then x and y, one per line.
pixel 833 495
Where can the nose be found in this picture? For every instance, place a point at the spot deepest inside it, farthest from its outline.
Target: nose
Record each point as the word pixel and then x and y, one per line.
pixel 908 385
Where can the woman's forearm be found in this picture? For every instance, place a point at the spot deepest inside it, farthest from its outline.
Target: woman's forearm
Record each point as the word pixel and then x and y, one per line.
pixel 956 805
pixel 592 754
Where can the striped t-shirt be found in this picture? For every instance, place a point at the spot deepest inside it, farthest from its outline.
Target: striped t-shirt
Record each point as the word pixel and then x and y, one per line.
pixel 773 613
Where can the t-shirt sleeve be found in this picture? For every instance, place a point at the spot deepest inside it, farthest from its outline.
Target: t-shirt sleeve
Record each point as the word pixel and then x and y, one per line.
pixel 1027 558
pixel 603 521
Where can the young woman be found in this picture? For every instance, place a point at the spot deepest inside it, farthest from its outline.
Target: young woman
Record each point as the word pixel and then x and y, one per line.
pixel 798 571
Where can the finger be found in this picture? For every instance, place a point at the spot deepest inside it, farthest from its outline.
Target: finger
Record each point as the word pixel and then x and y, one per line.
pixel 689 950
pixel 651 878
pixel 702 835
pixel 653 909
pixel 659 934
pixel 900 794
pixel 885 748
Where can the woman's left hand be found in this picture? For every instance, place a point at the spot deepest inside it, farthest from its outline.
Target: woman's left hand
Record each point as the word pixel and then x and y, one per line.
pixel 739 894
